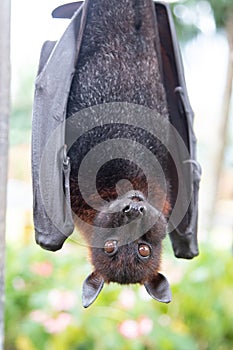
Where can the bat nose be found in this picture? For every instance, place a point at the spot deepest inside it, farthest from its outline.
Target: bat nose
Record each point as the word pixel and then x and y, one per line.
pixel 134 209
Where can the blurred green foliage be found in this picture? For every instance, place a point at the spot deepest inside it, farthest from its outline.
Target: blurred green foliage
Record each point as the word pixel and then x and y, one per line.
pixel 188 15
pixel 222 9
pixel 43 305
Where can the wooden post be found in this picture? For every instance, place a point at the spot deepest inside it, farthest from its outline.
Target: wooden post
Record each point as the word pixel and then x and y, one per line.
pixel 4 127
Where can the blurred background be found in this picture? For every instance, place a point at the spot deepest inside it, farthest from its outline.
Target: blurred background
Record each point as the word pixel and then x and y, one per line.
pixel 43 289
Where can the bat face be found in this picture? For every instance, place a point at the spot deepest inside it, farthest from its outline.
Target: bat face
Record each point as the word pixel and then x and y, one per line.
pixel 128 254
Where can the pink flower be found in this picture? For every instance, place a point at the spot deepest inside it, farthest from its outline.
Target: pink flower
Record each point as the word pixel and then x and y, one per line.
pixel 61 300
pixel 127 299
pixel 38 316
pixel 44 269
pixel 52 324
pixel 58 324
pixel 145 325
pixel 131 329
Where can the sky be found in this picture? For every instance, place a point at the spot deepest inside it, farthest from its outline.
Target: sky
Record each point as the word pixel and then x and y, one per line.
pixel 32 24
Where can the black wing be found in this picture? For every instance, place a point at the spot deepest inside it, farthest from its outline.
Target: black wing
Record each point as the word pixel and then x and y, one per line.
pixel 184 194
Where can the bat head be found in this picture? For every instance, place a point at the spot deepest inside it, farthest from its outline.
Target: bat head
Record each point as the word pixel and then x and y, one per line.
pixel 126 248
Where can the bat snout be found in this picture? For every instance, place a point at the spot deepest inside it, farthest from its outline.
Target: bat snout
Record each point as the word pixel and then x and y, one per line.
pixel 134 209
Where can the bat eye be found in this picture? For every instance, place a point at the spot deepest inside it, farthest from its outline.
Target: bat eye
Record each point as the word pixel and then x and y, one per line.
pixel 110 247
pixel 144 250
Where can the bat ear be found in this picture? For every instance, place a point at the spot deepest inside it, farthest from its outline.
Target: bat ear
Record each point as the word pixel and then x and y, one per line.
pixel 91 288
pixel 159 289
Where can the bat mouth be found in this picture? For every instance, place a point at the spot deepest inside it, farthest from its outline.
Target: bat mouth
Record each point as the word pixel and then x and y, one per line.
pixel 135 196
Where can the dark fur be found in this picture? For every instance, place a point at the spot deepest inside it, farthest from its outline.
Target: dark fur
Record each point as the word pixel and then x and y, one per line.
pixel 118 63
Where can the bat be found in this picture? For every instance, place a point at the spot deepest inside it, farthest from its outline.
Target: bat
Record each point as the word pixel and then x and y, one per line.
pixel 122 60
pixel 118 63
